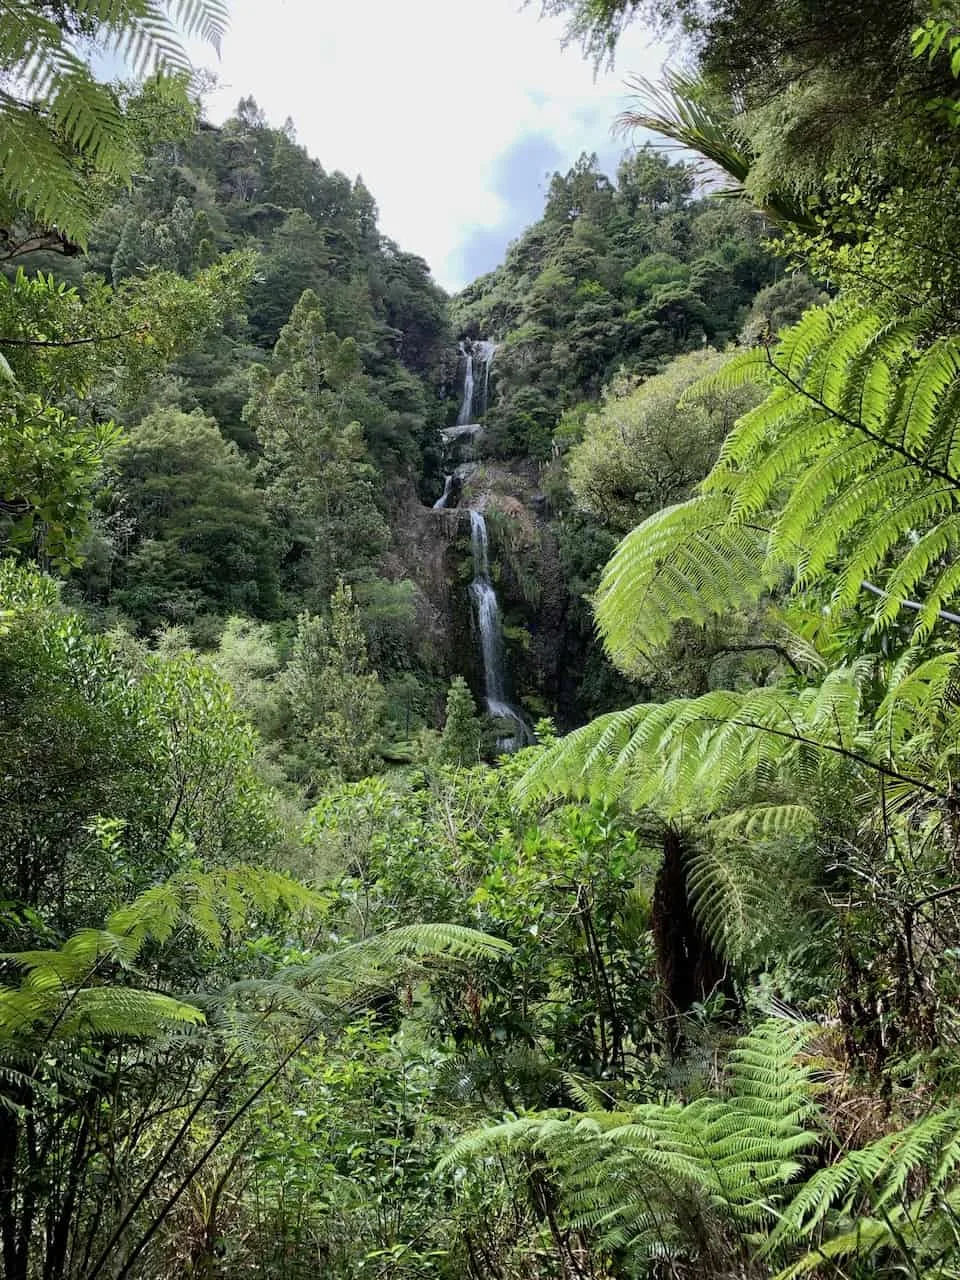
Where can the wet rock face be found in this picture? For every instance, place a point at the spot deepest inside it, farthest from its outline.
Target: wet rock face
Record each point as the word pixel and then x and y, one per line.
pixel 542 645
pixel 471 431
pixel 425 551
pixel 548 641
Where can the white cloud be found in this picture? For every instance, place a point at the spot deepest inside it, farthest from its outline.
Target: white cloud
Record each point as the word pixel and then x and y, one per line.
pixel 422 97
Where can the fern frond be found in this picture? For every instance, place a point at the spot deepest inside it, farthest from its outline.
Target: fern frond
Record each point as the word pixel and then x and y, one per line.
pixel 866 1188
pixel 452 940
pixel 62 125
pixel 644 1176
pixel 686 561
pixel 850 458
pixel 695 757
pixel 64 991
pixel 765 822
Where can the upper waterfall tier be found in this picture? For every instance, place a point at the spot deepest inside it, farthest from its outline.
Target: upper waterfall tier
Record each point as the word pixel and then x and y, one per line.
pixel 477 357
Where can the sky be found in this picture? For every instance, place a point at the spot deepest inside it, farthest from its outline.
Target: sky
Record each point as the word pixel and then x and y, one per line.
pixel 455 112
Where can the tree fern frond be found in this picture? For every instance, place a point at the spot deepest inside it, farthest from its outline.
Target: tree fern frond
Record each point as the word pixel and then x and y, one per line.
pixel 456 941
pixel 64 988
pixel 685 561
pixel 735 886
pixel 848 458
pixel 696 756
pixel 652 1177
pixel 866 1189
pixel 646 1174
pixel 765 822
pixel 65 126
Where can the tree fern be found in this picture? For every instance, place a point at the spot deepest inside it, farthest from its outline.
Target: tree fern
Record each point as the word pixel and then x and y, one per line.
pixel 60 120
pixel 696 757
pixel 854 457
pixel 659 1174
pixel 71 991
pixel 728 1179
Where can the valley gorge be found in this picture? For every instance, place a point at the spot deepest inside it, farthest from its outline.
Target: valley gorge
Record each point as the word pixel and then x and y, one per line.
pixel 477 780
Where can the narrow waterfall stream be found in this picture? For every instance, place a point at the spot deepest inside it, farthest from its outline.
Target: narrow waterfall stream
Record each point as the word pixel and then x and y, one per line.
pixel 483 353
pixel 478 353
pixel 444 498
pixel 487 610
pixel 466 404
pixel 477 356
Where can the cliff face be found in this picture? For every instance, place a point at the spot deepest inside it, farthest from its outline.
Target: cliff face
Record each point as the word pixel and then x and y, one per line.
pixel 548 641
pixel 424 551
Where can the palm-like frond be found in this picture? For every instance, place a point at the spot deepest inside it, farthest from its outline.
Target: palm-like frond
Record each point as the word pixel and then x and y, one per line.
pixel 648 1175
pixel 681 109
pixel 696 757
pixel 71 991
pixel 727 1171
pixel 854 457
pixel 58 124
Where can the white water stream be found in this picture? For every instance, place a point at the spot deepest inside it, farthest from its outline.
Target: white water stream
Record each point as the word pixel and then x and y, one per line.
pixel 479 354
pixel 487 611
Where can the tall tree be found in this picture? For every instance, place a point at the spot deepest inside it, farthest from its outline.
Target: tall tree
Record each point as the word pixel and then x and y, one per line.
pixel 462 729
pixel 336 701
pixel 197 529
pixel 320 484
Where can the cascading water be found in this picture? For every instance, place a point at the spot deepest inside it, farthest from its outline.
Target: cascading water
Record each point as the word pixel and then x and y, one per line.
pixel 483 353
pixel 487 610
pixel 477 356
pixel 479 353
pixel 466 404
pixel 444 498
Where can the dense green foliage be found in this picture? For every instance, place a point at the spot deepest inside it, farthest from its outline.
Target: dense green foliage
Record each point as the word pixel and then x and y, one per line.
pixel 65 136
pixel 615 276
pixel 299 975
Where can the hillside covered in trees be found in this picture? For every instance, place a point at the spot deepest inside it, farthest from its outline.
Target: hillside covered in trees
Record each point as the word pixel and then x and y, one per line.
pixel 477 775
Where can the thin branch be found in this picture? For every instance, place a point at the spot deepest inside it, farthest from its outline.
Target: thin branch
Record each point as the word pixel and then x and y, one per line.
pixel 171 1202
pixel 69 342
pixel 179 1137
pixel 911 604
pixel 48 242
pixel 934 897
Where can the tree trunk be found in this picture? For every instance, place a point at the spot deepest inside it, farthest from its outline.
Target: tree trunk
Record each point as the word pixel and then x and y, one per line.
pixel 690 969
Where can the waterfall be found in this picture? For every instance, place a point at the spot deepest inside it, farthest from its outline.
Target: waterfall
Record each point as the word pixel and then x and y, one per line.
pixel 466 404
pixel 487 611
pixel 480 353
pixel 485 351
pixel 444 498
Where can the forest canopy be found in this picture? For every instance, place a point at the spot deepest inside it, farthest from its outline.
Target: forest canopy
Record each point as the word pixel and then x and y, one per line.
pixel 478 773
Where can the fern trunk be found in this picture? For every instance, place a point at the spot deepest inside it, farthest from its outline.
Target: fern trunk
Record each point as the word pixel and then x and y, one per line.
pixel 690 969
